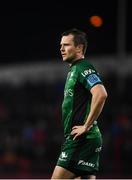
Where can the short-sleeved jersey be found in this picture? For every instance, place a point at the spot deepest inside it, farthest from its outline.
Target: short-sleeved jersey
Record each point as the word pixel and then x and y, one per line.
pixel 81 77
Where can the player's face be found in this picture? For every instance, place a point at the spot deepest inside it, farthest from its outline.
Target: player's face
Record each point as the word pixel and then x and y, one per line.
pixel 68 49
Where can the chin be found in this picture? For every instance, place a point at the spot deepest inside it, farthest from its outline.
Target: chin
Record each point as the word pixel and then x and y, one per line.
pixel 64 59
pixel 67 60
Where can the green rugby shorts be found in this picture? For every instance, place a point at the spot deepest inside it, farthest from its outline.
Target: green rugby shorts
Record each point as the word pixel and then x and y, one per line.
pixel 81 156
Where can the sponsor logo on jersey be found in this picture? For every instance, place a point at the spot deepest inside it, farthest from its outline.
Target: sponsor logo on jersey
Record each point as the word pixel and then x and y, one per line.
pixel 83 163
pixel 68 92
pixel 87 72
pixel 93 79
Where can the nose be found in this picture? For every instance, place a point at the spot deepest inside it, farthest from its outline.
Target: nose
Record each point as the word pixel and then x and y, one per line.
pixel 61 48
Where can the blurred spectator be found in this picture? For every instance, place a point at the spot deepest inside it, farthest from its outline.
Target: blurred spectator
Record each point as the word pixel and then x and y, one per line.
pixel 31 133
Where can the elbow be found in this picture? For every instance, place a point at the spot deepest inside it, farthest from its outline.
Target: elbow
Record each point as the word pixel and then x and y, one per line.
pixel 103 96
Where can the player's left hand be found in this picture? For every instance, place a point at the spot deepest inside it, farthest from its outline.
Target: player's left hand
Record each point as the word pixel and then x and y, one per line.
pixel 78 130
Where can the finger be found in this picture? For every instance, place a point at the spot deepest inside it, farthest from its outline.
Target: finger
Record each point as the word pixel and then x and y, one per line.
pixel 75 137
pixel 73 132
pixel 75 127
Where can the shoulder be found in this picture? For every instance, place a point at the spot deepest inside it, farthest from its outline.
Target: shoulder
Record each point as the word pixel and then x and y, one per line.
pixel 85 68
pixel 84 63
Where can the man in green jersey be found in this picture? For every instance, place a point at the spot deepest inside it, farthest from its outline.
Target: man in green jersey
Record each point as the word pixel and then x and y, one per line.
pixel 84 98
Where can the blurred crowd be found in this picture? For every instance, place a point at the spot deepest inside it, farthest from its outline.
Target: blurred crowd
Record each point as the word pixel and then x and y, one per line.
pixel 31 131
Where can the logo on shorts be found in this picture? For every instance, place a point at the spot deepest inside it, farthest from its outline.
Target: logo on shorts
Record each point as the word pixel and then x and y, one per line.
pixel 83 163
pixel 63 156
pixel 98 149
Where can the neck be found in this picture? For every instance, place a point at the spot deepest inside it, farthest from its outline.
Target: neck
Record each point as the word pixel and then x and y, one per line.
pixel 75 60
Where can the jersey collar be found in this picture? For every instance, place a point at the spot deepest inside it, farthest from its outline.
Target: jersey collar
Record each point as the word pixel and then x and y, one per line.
pixel 77 61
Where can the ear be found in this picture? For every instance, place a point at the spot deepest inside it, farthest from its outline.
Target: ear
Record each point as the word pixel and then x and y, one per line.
pixel 80 48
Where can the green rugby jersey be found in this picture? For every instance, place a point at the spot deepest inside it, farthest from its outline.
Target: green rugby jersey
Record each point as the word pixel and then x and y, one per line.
pixel 81 78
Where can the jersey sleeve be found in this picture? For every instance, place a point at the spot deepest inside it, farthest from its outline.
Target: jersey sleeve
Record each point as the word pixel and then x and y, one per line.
pixel 89 77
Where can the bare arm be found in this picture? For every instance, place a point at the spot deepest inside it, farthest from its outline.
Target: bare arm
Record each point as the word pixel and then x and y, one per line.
pixel 99 96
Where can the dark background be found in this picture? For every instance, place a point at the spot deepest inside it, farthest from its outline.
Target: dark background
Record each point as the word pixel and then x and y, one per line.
pixel 30 33
pixel 32 80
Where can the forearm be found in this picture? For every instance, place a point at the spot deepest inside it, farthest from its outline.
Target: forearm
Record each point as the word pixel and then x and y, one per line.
pixel 97 105
pixel 99 96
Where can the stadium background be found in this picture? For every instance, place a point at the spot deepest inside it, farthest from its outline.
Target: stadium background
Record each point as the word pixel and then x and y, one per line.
pixel 32 79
